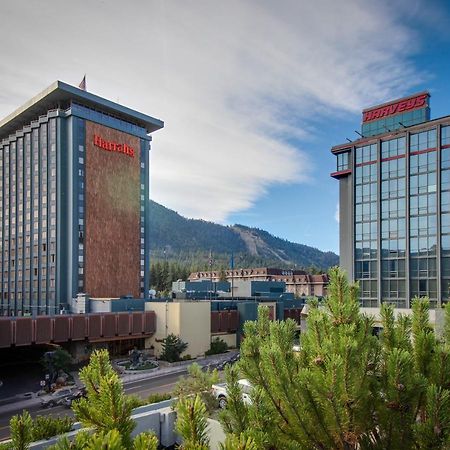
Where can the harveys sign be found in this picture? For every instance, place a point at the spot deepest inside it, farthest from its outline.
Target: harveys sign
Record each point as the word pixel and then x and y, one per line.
pixel 396 107
pixel 111 146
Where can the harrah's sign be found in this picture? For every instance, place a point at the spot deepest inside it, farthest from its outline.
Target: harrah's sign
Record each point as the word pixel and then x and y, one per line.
pixel 407 104
pixel 113 146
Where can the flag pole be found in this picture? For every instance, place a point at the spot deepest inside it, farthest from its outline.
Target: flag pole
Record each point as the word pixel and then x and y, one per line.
pixel 232 276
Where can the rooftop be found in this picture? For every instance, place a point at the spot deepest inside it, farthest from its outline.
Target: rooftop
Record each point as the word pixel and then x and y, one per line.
pixel 58 94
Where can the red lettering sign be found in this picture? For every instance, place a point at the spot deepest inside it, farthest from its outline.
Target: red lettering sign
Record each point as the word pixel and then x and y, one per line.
pixel 408 104
pixel 113 146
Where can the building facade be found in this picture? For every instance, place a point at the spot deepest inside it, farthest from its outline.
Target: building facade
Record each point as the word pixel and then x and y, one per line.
pixel 298 282
pixel 74 174
pixel 394 196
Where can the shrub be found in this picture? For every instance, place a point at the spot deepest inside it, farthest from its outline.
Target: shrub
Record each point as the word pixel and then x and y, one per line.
pixel 156 398
pixel 172 348
pixel 217 346
pixel 135 401
pixel 45 427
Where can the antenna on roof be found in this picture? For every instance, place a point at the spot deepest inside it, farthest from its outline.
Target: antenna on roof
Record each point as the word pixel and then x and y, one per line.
pixel 357 132
pixel 349 140
pixel 404 126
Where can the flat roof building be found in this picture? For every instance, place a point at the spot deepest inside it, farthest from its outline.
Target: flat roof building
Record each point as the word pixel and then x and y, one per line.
pixel 74 180
pixel 298 282
pixel 394 196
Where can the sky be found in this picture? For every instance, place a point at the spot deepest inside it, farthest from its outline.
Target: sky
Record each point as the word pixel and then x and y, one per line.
pixel 253 93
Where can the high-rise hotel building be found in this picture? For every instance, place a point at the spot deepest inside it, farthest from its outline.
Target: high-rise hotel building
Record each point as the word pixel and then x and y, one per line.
pixel 394 196
pixel 74 182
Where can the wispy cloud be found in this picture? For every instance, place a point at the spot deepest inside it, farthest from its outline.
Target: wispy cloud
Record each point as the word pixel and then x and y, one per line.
pixel 236 82
pixel 336 213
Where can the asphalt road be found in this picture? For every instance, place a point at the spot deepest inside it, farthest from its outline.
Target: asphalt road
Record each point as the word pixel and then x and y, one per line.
pixel 141 388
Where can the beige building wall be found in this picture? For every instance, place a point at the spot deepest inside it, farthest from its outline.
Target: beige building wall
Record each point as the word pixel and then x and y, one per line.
pixel 191 321
pixel 230 339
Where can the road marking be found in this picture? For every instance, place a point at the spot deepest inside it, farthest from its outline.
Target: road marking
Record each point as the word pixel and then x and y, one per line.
pixel 151 388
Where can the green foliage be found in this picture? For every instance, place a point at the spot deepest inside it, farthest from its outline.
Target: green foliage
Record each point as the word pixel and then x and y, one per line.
pixel 60 360
pixel 145 441
pixel 199 383
pixel 25 430
pixel 345 389
pixel 111 440
pixel 172 348
pixel 217 346
pixel 233 442
pixel 136 401
pixel 192 423
pixel 446 334
pixel 21 430
pixel 45 427
pixel 156 398
pixel 106 407
pixel 235 418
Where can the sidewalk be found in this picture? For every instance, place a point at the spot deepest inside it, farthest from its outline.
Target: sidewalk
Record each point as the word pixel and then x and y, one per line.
pixel 14 403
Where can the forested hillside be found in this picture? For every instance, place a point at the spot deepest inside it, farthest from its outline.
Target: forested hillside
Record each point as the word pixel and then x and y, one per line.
pixel 189 241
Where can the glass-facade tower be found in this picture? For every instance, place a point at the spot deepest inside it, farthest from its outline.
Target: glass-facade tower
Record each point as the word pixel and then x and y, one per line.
pixel 395 211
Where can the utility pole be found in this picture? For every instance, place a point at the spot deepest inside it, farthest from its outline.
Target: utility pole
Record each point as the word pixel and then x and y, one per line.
pixel 210 274
pixel 232 275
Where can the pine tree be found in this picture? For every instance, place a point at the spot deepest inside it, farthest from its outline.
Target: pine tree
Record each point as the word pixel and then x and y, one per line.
pixel 21 431
pixel 172 348
pixel 235 417
pixel 192 424
pixel 346 388
pixel 106 408
pixel 198 382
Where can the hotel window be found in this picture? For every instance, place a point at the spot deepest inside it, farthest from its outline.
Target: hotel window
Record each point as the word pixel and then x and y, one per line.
pixel 445 135
pixel 392 148
pixel 366 153
pixel 342 161
pixel 423 141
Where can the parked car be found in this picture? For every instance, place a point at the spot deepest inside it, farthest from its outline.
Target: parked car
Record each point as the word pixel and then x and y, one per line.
pixel 77 394
pixel 220 392
pixel 57 397
pixel 230 360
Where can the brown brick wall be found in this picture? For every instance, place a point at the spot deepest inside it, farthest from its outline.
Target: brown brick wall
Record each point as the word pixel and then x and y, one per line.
pixel 112 236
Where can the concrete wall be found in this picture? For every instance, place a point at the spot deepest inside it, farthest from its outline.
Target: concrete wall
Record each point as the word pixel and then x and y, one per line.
pixel 230 339
pixel 242 288
pixel 158 418
pixel 346 225
pixel 195 326
pixel 189 320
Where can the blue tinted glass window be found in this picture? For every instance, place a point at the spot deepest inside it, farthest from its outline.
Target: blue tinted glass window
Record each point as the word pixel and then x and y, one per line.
pixel 445 135
pixel 423 141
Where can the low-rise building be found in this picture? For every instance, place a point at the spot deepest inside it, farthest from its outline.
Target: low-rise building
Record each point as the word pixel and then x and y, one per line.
pixel 298 282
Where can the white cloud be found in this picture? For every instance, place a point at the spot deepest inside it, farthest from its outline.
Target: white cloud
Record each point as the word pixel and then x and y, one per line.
pixel 235 82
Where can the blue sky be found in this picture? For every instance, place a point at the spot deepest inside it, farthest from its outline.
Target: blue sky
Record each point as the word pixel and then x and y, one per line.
pixel 253 93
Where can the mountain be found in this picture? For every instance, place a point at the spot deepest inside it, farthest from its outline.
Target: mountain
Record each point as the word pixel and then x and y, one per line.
pixel 175 237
